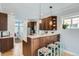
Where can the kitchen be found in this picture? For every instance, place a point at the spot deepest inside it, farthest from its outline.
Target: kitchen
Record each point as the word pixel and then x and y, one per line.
pixel 37 26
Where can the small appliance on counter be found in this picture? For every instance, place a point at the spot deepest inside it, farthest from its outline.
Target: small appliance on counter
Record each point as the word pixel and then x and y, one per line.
pixel 4 34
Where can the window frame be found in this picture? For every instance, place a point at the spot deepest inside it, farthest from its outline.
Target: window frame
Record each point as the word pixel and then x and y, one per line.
pixel 71 21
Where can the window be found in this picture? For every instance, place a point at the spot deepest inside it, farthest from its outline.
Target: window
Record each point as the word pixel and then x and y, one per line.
pixel 68 21
pixel 73 23
pixel 19 28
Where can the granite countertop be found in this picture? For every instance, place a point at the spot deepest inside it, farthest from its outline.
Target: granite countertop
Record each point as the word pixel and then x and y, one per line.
pixel 5 37
pixel 41 35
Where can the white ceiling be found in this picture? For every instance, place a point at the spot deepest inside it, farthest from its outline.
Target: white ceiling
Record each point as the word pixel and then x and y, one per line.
pixel 32 10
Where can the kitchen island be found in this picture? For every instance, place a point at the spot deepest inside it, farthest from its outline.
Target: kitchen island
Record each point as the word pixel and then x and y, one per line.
pixel 34 42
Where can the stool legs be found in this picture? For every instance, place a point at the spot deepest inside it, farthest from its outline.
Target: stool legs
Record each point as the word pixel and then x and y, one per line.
pixel 54 51
pixel 50 50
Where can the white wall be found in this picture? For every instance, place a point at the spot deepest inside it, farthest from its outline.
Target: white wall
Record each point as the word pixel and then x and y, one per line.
pixel 24 36
pixel 11 24
pixel 70 40
pixel 0 7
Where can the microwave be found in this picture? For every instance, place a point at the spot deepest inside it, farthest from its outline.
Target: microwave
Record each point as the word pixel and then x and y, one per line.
pixel 5 33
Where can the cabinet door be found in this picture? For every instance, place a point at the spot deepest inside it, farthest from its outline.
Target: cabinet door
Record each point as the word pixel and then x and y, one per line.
pixel 3 45
pixel 35 46
pixel 3 21
pixel 51 39
pixel 48 40
pixel 10 43
pixel 6 44
pixel 42 25
pixel 47 24
pixel 54 38
pixel 26 49
pixel 0 45
pixel 42 41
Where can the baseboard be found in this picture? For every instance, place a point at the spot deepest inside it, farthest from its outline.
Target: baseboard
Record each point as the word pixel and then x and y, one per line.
pixel 69 52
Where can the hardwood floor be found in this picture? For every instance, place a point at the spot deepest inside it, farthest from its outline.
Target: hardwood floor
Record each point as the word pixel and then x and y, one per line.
pixel 67 54
pixel 17 51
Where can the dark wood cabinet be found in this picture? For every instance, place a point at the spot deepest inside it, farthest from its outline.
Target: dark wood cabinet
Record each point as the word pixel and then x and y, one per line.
pixel 42 42
pixel 35 46
pixel 26 49
pixel 30 48
pixel 49 23
pixel 32 25
pixel 6 44
pixel 3 21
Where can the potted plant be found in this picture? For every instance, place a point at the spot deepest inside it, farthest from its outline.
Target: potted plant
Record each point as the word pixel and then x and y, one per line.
pixel 65 26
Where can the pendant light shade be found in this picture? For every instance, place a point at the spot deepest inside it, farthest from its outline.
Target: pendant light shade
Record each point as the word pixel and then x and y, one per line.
pixel 50 23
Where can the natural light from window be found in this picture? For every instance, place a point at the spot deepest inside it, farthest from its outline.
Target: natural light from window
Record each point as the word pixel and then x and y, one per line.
pixel 73 23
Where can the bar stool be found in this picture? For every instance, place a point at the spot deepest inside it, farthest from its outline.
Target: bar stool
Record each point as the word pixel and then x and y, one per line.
pixel 44 52
pixel 58 48
pixel 57 43
pixel 53 48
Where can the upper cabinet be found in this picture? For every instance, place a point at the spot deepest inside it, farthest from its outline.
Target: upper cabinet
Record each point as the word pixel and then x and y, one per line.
pixel 32 25
pixel 49 23
pixel 3 21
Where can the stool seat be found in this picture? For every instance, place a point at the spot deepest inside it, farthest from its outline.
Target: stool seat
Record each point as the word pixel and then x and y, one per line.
pixel 52 45
pixel 44 51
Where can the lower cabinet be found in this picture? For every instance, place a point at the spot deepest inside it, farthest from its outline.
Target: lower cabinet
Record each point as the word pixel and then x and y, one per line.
pixel 42 41
pixel 30 48
pixel 6 44
pixel 26 49
pixel 35 46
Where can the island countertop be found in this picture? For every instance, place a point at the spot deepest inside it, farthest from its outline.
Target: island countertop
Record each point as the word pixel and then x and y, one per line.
pixel 5 37
pixel 41 35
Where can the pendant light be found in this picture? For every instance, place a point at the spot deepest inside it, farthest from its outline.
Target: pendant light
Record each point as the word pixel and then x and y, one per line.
pixel 40 21
pixel 50 23
pixel 50 10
